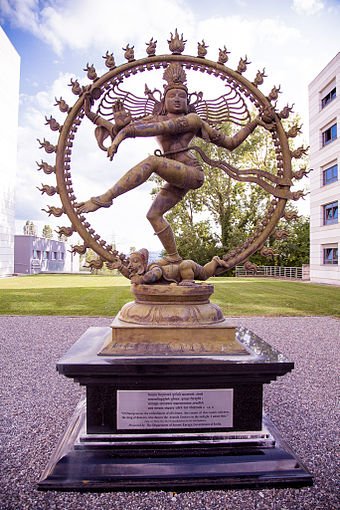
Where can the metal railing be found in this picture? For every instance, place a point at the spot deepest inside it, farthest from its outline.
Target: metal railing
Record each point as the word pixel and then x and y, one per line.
pixel 270 271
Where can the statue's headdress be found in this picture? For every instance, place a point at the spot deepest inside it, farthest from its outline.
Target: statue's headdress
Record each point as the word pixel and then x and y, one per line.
pixel 144 253
pixel 176 77
pixel 231 106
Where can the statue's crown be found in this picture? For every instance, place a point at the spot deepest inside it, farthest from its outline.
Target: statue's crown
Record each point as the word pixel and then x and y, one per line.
pixel 176 77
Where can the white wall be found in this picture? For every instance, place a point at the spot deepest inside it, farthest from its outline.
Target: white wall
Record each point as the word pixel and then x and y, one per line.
pixel 322 157
pixel 9 106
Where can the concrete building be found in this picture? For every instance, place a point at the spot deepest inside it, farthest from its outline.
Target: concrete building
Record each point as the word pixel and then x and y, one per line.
pixel 9 106
pixel 324 117
pixel 37 254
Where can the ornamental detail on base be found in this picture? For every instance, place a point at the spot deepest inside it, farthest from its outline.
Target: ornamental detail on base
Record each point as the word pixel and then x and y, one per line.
pixel 175 115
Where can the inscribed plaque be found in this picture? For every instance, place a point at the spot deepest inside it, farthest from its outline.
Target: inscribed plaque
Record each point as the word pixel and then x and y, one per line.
pixel 174 409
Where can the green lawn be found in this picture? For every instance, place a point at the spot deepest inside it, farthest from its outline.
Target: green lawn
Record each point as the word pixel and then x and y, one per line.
pixel 105 295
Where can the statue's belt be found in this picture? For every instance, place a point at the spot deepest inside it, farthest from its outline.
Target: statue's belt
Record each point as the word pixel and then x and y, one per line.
pixel 206 159
pixel 161 154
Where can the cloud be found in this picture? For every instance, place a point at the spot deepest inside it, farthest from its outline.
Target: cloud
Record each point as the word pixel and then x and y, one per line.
pixel 22 13
pixel 267 42
pixel 308 7
pixel 255 31
pixel 84 24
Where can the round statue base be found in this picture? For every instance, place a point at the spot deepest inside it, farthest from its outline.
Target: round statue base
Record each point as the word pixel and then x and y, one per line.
pixel 171 319
pixel 171 305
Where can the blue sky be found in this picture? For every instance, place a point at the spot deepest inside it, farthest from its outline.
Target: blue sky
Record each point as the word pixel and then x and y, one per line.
pixel 292 39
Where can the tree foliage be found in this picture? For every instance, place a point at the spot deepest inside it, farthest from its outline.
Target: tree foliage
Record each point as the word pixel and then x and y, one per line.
pixel 221 214
pixel 30 229
pixel 47 232
pixel 292 251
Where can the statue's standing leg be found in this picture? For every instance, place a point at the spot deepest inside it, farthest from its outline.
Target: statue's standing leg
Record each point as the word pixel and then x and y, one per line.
pixel 165 200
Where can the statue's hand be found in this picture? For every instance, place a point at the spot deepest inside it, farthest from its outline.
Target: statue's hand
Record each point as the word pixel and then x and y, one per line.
pixel 267 119
pixel 136 279
pixel 270 126
pixel 111 151
pixel 220 261
pixel 121 116
pixel 116 265
pixel 88 101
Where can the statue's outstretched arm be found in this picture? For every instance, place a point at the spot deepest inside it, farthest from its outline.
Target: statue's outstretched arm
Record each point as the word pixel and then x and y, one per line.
pixel 174 126
pixel 97 119
pixel 153 275
pixel 231 142
pixel 217 137
pixel 104 127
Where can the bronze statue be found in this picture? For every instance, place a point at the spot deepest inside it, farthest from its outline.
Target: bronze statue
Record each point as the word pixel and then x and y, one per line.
pixel 175 117
pixel 175 124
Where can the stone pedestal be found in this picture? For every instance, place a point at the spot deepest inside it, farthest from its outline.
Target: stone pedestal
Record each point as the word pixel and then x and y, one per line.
pixel 173 400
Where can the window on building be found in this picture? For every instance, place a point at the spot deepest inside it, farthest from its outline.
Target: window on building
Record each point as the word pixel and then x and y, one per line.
pixel 61 255
pixel 329 135
pixel 45 254
pixel 330 255
pixel 330 213
pixel 330 174
pixel 328 98
pixel 54 255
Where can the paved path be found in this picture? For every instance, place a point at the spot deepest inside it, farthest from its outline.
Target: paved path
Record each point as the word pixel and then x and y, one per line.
pixel 37 404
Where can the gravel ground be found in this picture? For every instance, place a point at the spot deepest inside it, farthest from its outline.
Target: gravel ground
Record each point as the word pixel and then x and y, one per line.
pixel 37 404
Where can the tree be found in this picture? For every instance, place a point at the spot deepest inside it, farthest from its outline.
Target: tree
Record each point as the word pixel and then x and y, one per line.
pixel 222 213
pixel 195 239
pixel 30 229
pixel 47 232
pixel 294 250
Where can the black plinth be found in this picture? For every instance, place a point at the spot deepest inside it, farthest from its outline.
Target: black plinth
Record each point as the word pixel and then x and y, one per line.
pixel 235 447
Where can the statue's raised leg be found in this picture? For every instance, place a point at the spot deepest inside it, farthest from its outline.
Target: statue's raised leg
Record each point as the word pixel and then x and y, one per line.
pixel 171 171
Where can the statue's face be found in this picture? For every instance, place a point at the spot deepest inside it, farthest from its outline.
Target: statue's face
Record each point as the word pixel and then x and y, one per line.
pixel 176 101
pixel 136 265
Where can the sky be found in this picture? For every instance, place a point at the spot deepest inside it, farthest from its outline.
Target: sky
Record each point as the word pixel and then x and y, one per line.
pixel 293 39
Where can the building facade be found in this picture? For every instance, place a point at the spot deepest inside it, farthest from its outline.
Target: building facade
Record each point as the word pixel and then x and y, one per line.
pixel 324 118
pixel 37 254
pixel 9 106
